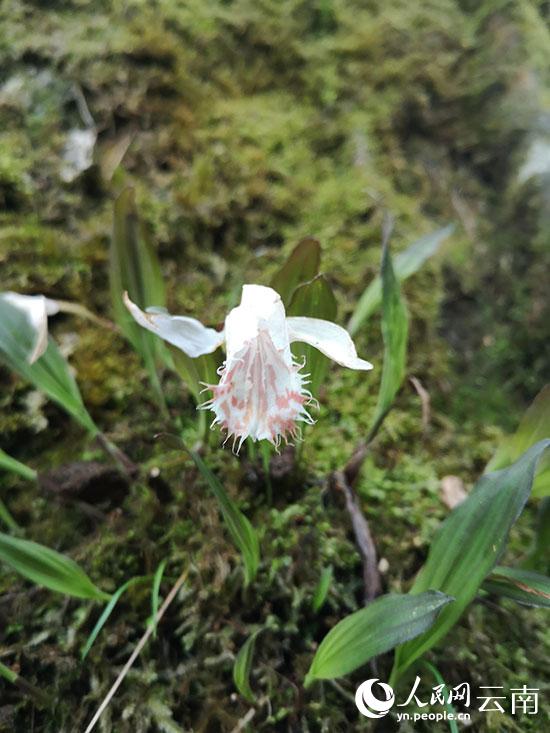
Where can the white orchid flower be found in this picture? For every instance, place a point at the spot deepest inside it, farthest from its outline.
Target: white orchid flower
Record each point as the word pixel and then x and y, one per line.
pixel 261 393
pixel 36 308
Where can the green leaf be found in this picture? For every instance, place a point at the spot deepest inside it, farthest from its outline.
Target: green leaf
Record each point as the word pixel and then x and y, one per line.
pixel 375 629
pixel 40 698
pixel 107 611
pixel 541 487
pixel 7 673
pixel 313 299
pixel 243 666
pixel 406 263
pixel 11 464
pixel 523 586
pixel 155 594
pixel 134 267
pixel 322 589
pixel 395 330
pixel 7 518
pixel 47 567
pixel 240 529
pixel 49 374
pixel 301 266
pixel 534 426
pixel 453 727
pixel 195 372
pixel 538 557
pixel 468 545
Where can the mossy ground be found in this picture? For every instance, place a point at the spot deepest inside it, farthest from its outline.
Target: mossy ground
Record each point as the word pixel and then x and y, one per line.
pixel 245 126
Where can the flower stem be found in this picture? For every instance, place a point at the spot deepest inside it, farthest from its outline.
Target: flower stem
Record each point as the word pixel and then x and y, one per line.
pixel 37 695
pixel 265 450
pixel 127 465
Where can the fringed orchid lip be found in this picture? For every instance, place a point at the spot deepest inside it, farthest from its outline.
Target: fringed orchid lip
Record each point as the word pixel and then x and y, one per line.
pixel 260 394
pixel 262 390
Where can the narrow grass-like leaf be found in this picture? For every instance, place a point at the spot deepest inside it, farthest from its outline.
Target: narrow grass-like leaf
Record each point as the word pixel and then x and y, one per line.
pixel 468 545
pixel 107 611
pixel 47 567
pixel 523 586
pixel 155 592
pixel 195 372
pixel 242 668
pixel 453 727
pixel 39 697
pixel 534 426
pixel 12 464
pixel 240 529
pixel 313 299
pixel 395 331
pixel 301 266
pixel 538 557
pixel 322 589
pixel 134 268
pixel 375 629
pixel 7 518
pixel 406 263
pixel 49 374
pixel 7 673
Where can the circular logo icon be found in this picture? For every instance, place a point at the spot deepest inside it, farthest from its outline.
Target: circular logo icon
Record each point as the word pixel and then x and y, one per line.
pixel 371 706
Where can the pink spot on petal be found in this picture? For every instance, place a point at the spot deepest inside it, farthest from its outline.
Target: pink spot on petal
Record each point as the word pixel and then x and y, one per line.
pixel 260 395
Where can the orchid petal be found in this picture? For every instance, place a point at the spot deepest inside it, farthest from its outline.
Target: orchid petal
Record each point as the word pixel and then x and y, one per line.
pixel 36 309
pixel 261 308
pixel 187 334
pixel 329 338
pixel 52 306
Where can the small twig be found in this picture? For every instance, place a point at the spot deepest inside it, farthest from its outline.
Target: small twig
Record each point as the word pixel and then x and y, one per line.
pixel 41 698
pixel 90 511
pixel 344 481
pixel 424 401
pixel 353 466
pixel 120 457
pixel 466 215
pixel 363 537
pixel 82 106
pixel 345 694
pixel 243 722
pixel 141 643
pixel 76 309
